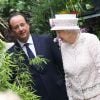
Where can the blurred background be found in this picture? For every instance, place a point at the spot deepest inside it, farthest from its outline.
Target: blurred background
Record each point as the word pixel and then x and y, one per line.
pixel 39 11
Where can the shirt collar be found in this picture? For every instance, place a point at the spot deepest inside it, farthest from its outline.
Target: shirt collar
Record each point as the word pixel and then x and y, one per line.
pixel 30 41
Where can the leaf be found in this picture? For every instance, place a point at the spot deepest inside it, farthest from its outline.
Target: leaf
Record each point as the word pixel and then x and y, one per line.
pixel 39 61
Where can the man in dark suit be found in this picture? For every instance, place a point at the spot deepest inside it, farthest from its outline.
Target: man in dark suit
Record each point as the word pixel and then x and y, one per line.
pixel 49 82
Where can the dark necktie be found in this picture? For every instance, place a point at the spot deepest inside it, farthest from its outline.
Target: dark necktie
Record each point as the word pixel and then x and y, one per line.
pixel 29 52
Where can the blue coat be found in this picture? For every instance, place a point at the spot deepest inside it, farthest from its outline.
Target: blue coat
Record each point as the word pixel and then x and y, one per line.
pixel 49 82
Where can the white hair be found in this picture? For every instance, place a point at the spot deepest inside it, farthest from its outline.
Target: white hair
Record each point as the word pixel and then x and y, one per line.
pixel 9 95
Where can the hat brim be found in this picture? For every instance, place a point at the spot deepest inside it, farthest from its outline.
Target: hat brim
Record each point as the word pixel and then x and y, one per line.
pixel 65 28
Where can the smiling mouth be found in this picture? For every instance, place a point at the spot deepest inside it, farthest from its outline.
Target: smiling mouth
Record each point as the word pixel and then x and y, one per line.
pixel 22 33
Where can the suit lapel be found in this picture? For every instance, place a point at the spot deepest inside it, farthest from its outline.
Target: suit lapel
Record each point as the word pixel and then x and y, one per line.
pixel 39 51
pixel 37 45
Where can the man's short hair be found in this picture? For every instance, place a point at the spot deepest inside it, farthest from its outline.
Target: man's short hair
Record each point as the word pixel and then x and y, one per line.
pixel 15 13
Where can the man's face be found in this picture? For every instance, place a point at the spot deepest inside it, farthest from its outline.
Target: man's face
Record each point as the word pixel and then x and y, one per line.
pixel 20 28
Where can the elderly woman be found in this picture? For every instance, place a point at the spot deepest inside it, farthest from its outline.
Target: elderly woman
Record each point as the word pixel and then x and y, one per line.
pixel 81 58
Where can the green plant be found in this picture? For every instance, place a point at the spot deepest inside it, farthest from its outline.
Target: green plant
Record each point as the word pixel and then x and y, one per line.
pixel 39 61
pixel 21 84
pixel 78 6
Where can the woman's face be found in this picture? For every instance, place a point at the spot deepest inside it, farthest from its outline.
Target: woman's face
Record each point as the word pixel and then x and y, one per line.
pixel 67 35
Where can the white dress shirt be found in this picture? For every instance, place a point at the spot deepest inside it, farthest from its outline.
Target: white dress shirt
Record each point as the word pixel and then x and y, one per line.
pixel 31 46
pixel 81 62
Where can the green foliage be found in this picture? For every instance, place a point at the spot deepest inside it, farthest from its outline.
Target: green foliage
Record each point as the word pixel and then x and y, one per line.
pixel 43 11
pixel 78 6
pixel 39 61
pixel 22 82
pixel 24 92
pixel 38 12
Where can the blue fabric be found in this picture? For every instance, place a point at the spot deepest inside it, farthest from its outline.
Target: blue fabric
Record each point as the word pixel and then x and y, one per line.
pixel 49 82
pixel 29 52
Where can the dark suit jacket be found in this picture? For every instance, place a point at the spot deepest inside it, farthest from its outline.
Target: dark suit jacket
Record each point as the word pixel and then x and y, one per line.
pixel 49 82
